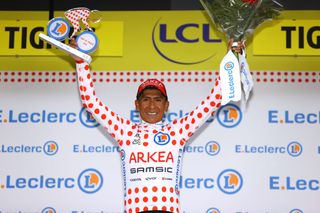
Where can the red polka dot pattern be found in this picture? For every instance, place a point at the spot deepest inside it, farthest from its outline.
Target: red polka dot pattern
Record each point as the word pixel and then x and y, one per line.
pixel 43 77
pixel 144 195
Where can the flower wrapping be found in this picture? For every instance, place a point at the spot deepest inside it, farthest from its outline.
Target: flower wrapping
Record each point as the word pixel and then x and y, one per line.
pixel 237 19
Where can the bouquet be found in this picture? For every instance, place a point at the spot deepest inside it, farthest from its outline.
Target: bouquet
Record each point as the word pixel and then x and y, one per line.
pixel 237 19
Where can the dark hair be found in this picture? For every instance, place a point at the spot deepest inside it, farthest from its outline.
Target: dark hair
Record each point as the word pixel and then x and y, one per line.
pixel 150 87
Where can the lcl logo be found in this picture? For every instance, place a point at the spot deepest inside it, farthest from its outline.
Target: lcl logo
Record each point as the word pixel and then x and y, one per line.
pixel 185 43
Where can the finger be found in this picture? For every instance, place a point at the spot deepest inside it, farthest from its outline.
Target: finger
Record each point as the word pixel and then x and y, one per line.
pixel 230 42
pixel 73 43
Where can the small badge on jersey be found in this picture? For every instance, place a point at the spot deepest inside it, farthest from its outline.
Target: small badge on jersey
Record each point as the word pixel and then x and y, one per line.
pixel 161 138
pixel 137 139
pixel 176 189
pixel 122 155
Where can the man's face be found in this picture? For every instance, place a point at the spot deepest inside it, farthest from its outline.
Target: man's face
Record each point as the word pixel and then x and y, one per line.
pixel 152 105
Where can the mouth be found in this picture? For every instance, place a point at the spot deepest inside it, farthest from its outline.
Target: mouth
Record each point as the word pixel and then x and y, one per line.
pixel 152 113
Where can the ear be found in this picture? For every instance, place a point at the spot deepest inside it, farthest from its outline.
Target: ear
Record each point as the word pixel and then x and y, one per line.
pixel 136 103
pixel 167 106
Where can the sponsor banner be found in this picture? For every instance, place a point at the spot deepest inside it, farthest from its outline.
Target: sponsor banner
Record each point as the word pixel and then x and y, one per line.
pixel 21 38
pixel 52 150
pixel 288 37
pixel 162 40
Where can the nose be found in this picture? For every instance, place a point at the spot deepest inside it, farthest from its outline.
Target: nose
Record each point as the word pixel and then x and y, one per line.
pixel 152 104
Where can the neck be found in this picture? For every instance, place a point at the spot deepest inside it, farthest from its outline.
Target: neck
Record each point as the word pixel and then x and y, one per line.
pixel 157 123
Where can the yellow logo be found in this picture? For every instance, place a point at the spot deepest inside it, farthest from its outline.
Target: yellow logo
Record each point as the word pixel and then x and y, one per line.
pixel 288 37
pixel 22 38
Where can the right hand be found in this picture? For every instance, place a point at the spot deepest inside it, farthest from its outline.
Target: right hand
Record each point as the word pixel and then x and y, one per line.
pixel 73 44
pixel 237 49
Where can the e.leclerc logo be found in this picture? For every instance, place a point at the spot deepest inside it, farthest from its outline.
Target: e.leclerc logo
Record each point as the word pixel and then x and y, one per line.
pixel 45 210
pixel 49 148
pixel 293 149
pixel 88 181
pixel 47 117
pixel 289 183
pixel 213 210
pixel 229 116
pixel 229 181
pixel 229 66
pixel 87 120
pixel 175 41
pixel 161 138
pixel 211 148
pixel 48 210
pixel 296 211
pixel 293 118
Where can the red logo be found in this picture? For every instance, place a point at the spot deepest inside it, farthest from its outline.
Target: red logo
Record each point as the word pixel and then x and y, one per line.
pixel 148 157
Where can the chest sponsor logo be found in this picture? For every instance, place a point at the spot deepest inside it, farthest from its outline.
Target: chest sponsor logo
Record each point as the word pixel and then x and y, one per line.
pixel 161 138
pixel 151 158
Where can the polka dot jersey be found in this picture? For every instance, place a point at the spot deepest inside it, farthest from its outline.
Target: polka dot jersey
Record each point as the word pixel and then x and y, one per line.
pixel 151 154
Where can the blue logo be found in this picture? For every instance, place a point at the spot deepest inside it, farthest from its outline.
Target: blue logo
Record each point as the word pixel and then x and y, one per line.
pixel 212 148
pixel 230 181
pixel 44 116
pixel 229 66
pixel 172 44
pixel 161 138
pixel 90 181
pixel 50 148
pixel 229 116
pixel 213 210
pixel 87 42
pixel 38 117
pixel 289 117
pixel 86 119
pixel 293 184
pixel 294 149
pixel 48 210
pixel 58 28
pixel 296 211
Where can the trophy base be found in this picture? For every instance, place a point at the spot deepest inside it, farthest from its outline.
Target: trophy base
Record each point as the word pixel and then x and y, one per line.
pixel 87 58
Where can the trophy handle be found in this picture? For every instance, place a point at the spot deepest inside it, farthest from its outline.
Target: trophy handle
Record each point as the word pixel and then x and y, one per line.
pixel 66 48
pixel 95 16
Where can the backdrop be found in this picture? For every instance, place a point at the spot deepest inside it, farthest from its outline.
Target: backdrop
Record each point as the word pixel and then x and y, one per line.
pixel 260 156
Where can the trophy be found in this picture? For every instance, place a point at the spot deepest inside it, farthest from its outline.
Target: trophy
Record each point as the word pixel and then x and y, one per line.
pixel 59 29
pixel 237 19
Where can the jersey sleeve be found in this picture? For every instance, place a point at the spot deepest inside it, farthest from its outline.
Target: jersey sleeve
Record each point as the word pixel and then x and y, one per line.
pixel 112 122
pixel 187 125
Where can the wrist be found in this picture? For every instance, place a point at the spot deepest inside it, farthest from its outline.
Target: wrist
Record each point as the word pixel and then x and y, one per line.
pixel 79 61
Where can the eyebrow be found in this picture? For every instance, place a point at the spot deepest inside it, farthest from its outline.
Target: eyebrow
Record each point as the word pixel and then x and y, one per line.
pixel 160 95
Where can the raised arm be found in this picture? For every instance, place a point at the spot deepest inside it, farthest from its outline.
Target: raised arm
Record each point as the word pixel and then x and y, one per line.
pixel 111 121
pixel 188 124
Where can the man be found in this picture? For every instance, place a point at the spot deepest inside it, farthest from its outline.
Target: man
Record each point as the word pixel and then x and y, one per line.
pixel 151 151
